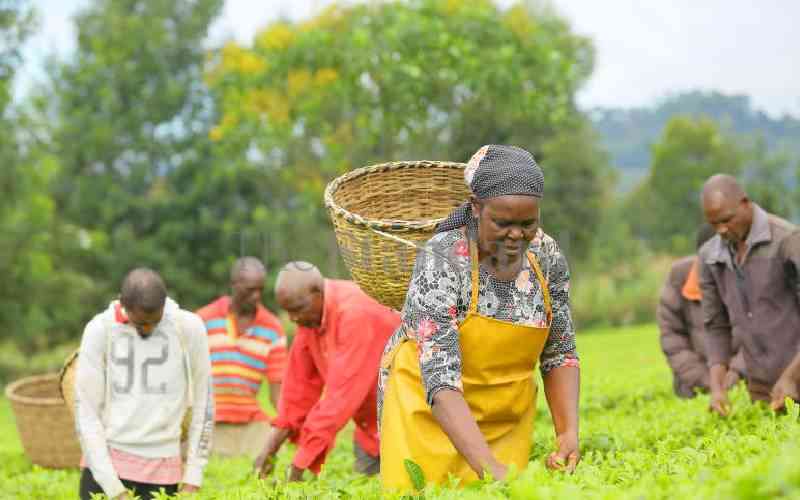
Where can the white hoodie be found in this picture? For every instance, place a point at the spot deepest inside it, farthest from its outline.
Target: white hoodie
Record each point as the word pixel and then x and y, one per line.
pixel 131 393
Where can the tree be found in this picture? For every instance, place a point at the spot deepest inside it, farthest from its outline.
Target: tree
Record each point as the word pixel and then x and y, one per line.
pixel 628 133
pixel 770 179
pixel 425 79
pixel 578 181
pixel 36 247
pixel 130 111
pixel 16 22
pixel 665 210
pixel 23 211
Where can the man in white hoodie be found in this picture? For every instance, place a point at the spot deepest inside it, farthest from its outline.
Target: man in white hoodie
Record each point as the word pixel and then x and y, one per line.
pixel 142 363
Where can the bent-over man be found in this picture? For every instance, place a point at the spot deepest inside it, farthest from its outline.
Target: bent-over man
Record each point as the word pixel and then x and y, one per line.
pixel 749 281
pixel 336 351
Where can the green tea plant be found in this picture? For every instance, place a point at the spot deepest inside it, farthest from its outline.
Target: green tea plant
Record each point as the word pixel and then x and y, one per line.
pixel 637 439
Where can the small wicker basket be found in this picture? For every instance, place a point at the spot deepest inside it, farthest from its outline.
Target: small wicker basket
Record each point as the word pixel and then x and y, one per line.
pixel 380 212
pixel 45 425
pixel 66 380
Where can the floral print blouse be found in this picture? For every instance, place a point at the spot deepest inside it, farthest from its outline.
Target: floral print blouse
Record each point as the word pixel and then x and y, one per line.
pixel 438 300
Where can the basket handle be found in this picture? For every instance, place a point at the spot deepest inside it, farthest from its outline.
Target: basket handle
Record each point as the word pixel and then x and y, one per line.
pixel 424 248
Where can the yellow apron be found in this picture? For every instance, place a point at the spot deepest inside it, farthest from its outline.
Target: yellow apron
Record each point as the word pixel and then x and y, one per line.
pixel 498 359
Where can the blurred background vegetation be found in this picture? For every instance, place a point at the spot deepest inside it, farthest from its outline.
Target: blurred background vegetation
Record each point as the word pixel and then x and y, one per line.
pixel 147 146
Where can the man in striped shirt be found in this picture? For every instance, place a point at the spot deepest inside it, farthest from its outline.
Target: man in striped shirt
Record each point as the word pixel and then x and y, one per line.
pixel 247 345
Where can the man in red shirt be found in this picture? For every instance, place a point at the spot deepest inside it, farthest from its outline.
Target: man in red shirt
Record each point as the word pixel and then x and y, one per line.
pixel 336 349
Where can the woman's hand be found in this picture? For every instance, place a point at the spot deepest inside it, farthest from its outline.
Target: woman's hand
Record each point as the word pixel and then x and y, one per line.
pixel 562 388
pixel 454 416
pixel 567 456
pixel 498 471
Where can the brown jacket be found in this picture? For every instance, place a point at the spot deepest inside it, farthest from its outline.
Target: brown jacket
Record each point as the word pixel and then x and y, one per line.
pixel 682 335
pixel 757 302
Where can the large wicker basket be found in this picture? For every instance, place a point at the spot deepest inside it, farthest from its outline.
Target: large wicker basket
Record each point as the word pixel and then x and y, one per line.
pixel 45 425
pixel 380 212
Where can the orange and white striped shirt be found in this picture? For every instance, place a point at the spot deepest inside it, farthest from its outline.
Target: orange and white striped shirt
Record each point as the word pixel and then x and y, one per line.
pixel 240 361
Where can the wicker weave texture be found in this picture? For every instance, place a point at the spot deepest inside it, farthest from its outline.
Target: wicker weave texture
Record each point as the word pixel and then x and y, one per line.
pixel 66 382
pixel 403 199
pixel 45 425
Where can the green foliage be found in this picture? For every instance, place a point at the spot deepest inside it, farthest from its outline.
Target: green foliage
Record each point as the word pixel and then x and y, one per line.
pixel 624 293
pixel 578 180
pixel 637 439
pixel 415 473
pixel 770 179
pixel 84 178
pixel 146 149
pixel 426 79
pixel 37 247
pixel 17 20
pixel 33 304
pixel 15 363
pixel 122 160
pixel 665 209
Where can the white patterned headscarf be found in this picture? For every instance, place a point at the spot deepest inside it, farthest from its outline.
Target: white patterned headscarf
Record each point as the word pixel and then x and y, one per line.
pixel 496 171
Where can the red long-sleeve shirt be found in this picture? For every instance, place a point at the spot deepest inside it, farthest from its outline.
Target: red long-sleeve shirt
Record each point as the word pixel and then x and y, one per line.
pixel 332 374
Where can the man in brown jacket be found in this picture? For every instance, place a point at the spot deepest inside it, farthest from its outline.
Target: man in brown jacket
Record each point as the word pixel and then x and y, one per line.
pixel 680 319
pixel 749 282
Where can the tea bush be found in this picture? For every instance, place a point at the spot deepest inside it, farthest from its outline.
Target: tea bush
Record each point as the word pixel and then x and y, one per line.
pixel 638 442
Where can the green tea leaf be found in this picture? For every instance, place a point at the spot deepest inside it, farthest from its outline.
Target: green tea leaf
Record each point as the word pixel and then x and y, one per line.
pixel 415 473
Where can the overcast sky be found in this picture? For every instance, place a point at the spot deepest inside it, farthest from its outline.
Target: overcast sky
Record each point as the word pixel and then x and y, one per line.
pixel 643 52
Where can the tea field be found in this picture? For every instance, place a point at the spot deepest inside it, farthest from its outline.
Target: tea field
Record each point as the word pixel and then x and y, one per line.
pixel 638 442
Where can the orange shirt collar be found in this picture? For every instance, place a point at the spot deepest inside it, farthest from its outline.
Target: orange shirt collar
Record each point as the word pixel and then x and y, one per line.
pixel 691 287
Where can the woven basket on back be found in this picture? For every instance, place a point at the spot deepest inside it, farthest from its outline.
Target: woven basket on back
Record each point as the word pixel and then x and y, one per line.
pixel 371 205
pixel 46 428
pixel 67 388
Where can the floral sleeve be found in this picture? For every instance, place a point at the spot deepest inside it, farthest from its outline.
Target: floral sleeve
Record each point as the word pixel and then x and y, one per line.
pixel 559 350
pixel 432 313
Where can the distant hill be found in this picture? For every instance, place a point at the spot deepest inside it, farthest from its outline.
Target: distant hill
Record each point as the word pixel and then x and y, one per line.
pixel 628 133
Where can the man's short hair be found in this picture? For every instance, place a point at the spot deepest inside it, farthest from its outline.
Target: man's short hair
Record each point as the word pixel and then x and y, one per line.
pixel 299 275
pixel 246 264
pixel 143 290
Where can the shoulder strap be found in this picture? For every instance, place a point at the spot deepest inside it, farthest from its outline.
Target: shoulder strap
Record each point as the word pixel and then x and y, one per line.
pixel 543 284
pixel 474 276
pixel 187 362
pixel 108 328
